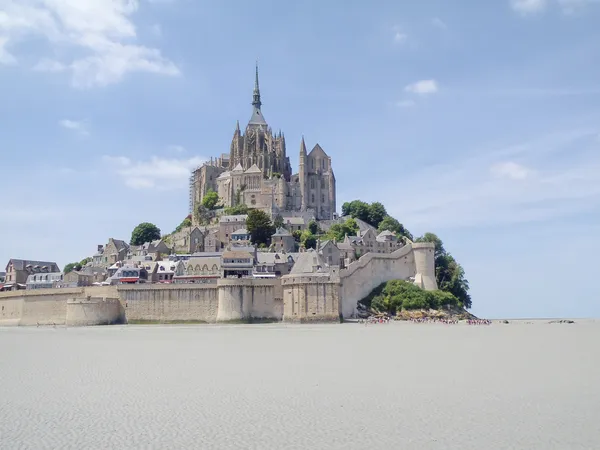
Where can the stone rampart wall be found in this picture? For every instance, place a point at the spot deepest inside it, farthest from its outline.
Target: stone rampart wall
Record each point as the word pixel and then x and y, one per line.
pixel 246 299
pixel 372 269
pixel 94 311
pixel 170 303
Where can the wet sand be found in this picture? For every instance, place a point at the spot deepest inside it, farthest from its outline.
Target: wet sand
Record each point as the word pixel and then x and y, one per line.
pixel 400 385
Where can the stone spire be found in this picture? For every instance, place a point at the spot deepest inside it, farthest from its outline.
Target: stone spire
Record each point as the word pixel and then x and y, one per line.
pixel 257 117
pixel 256 96
pixel 302 148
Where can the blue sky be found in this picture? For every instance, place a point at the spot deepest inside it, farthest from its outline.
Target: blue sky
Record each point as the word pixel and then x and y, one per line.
pixel 476 120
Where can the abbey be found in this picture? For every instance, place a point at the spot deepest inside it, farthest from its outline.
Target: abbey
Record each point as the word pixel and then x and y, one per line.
pixel 257 173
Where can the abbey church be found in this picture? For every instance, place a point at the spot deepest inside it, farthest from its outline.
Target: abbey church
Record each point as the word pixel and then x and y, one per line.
pixel 257 172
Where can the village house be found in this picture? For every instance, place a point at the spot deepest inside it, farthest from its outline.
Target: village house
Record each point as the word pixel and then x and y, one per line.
pixel 271 265
pixel 240 235
pixel 129 275
pixel 109 254
pixel 77 279
pixel 18 270
pixel 283 241
pixel 203 268
pixel 228 225
pixel 330 252
pixel 43 280
pixel 237 264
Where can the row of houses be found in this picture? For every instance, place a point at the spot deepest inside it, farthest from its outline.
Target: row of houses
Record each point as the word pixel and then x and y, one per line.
pixel 208 254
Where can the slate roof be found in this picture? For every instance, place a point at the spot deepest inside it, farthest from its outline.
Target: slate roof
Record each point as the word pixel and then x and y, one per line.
pixel 257 117
pixel 232 254
pixel 310 262
pixel 281 232
pixel 253 169
pixel 239 218
pixel 240 231
pixel 21 264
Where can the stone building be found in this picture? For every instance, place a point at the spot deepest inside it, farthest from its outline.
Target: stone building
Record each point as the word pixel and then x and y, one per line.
pixel 18 270
pixel 258 174
pixel 109 254
pixel 283 241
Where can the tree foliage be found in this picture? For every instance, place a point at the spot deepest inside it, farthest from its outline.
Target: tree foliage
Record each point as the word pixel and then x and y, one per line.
pixel 388 223
pixel 337 232
pixel 278 221
pixel 397 295
pixel 313 227
pixel 259 226
pixel 450 275
pixel 308 239
pixel 210 199
pixel 144 232
pixel 185 223
pixel 237 210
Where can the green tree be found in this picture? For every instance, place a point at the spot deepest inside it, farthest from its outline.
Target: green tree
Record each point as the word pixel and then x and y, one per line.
pixel 85 261
pixel 259 226
pixel 313 227
pixel 144 232
pixel 308 240
pixel 449 274
pixel 357 209
pixel 337 232
pixel 237 210
pixel 278 221
pixel 297 235
pixel 377 213
pixel 71 267
pixel 185 223
pixel 210 199
pixel 390 224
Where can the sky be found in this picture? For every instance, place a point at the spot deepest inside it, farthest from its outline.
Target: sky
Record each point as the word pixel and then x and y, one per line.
pixel 478 121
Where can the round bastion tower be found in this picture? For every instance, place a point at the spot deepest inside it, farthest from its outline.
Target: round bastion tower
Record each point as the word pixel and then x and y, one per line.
pixel 424 253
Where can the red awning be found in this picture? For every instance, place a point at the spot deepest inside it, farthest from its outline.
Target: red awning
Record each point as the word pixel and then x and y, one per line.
pixel 129 280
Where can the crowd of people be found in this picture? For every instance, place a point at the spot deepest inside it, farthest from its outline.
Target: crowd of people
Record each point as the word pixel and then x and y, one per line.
pixel 479 322
pixel 388 319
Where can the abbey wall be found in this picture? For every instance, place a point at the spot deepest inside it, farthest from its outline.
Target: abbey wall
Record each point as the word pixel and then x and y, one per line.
pixel 312 292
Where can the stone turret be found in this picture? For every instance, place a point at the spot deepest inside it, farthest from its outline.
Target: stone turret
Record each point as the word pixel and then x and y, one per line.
pixel 302 174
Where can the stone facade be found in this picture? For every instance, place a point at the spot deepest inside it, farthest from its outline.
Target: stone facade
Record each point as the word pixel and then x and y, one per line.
pixel 257 173
pixel 312 291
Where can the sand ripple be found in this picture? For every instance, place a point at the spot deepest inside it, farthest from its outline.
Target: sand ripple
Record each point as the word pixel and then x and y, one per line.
pixel 296 387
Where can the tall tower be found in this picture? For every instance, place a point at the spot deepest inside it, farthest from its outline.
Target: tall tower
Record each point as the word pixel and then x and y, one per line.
pixel 257 118
pixel 302 178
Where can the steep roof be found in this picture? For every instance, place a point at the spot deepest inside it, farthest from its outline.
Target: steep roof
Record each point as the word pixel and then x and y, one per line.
pixel 253 169
pixel 232 254
pixel 310 262
pixel 21 264
pixel 281 232
pixel 317 151
pixel 238 168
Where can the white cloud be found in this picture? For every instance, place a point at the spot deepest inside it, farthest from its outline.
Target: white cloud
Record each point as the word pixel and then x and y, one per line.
pixel 156 30
pixel 422 87
pixel 156 173
pixel 574 6
pixel 176 148
pixel 526 7
pixel 399 37
pixel 99 32
pixel 439 23
pixel 510 170
pixel 555 176
pixel 405 103
pixel 74 125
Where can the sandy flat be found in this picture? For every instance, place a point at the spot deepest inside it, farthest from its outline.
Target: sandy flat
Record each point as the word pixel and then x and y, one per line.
pixel 525 385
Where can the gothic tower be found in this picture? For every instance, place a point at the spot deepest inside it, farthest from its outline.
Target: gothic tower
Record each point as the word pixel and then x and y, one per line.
pixel 258 145
pixel 302 174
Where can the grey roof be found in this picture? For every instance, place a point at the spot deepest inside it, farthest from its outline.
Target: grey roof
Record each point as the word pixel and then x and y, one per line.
pixel 21 264
pixel 92 270
pixel 271 258
pixel 310 262
pixel 120 244
pixel 52 276
pixel 239 218
pixel 281 232
pixel 240 231
pixel 257 117
pixel 253 169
